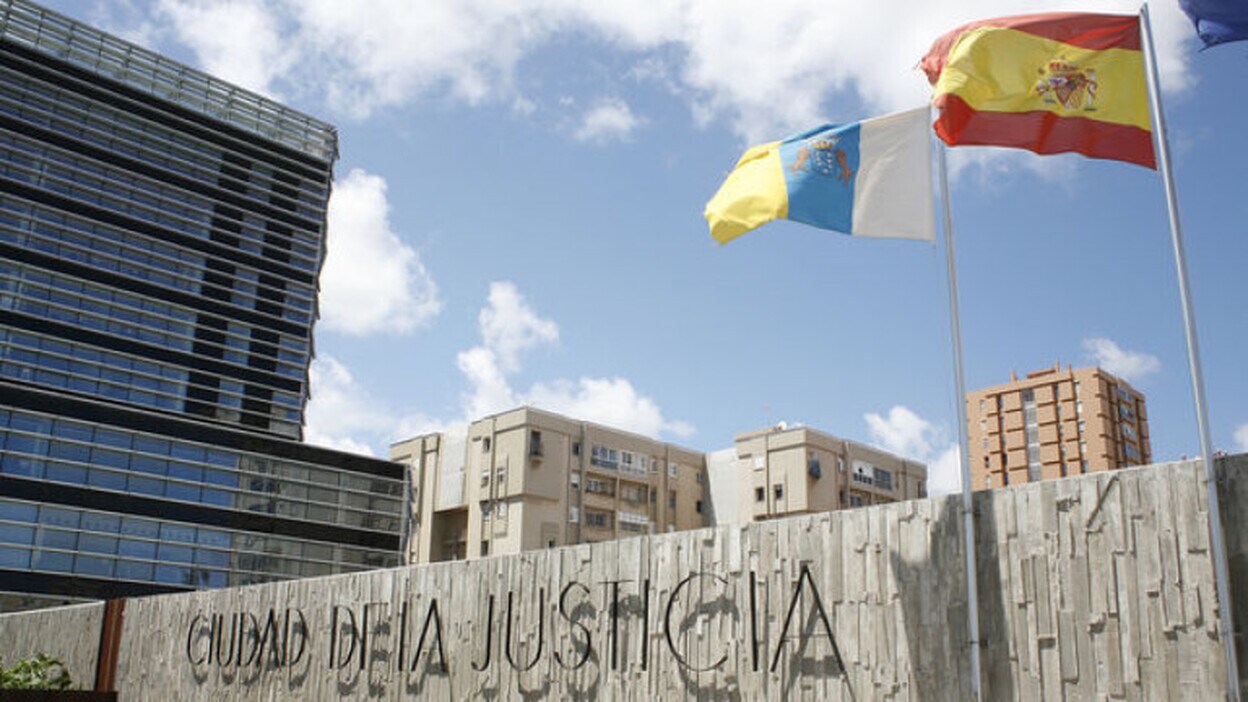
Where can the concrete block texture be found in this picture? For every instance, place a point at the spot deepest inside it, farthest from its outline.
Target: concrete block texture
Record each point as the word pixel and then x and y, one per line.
pixel 1097 587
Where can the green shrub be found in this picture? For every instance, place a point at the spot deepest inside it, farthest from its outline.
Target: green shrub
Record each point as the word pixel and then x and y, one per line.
pixel 43 672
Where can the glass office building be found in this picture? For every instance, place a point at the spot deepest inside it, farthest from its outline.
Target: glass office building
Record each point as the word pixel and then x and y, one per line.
pixel 161 233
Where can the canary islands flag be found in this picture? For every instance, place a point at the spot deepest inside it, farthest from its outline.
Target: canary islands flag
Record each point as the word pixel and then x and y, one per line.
pixel 870 178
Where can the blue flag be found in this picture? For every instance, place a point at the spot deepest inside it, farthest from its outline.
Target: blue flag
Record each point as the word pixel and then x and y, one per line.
pixel 1218 21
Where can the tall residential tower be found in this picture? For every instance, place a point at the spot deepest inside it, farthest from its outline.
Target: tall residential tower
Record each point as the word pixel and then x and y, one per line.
pixel 1055 423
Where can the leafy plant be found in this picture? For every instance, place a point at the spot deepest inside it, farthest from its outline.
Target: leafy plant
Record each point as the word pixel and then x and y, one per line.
pixel 43 672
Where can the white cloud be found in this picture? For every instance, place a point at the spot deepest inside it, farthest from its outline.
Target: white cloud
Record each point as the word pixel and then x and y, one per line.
pixel 903 432
pixel 372 281
pixel 339 410
pixel 906 434
pixel 240 41
pixel 523 106
pixel 610 119
pixel 1131 366
pixel 765 68
pixel 509 325
pixel 1241 438
pixel 944 473
pixel 991 167
pixel 490 391
pixel 343 414
pixel 610 401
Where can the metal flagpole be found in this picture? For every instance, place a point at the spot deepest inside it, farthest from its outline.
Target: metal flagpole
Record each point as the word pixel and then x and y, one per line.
pixel 1193 360
pixel 964 455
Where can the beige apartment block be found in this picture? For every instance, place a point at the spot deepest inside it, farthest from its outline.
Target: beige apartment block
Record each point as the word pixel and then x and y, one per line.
pixel 785 471
pixel 529 479
pixel 1055 423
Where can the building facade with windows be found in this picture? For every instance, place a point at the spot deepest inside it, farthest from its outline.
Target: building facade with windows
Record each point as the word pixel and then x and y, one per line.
pixel 799 470
pixel 529 479
pixel 1054 423
pixel 161 234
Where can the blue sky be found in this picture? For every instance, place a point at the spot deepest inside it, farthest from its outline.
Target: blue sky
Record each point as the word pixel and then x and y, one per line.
pixel 517 218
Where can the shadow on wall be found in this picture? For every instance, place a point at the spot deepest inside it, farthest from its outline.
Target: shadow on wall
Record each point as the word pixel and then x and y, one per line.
pixel 929 568
pixel 1233 495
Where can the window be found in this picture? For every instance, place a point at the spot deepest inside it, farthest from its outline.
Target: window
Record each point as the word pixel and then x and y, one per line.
pixel 550 543
pixel 855 500
pixel 760 494
pixel 779 491
pixel 574 515
pixel 486 508
pixel 485 548
pixel 630 463
pixel 600 520
pixel 576 449
pixel 598 486
pixel 671 470
pixel 535 443
pixel 501 511
pixel 633 493
pixel 603 457
pixel 637 523
pixel 697 507
pixel 575 479
pixel 500 479
pixel 671 499
pixel 983 405
pixel 485 477
pixel 700 477
pixel 883 479
pixel 485 445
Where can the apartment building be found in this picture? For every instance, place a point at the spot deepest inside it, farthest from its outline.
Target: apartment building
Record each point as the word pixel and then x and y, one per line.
pixel 528 479
pixel 1055 423
pixel 783 471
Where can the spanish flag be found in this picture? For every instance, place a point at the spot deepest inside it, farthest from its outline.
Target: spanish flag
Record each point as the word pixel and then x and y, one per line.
pixel 1048 83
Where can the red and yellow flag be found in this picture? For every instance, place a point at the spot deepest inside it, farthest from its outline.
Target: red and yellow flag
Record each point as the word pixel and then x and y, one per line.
pixel 1048 83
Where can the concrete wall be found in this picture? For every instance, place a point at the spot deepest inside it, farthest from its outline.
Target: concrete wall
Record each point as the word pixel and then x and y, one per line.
pixel 1101 587
pixel 71 634
pixel 1233 498
pixel 1098 587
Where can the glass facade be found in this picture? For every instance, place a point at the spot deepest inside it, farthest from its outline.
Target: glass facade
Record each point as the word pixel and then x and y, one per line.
pixel 161 233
